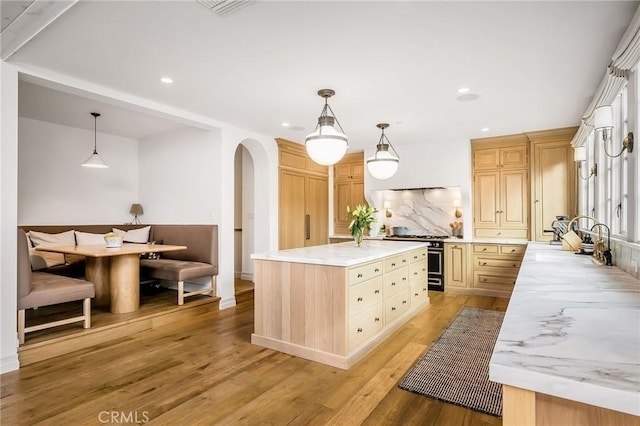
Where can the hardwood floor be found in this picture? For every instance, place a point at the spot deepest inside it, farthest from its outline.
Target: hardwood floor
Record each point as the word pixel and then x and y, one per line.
pixel 204 370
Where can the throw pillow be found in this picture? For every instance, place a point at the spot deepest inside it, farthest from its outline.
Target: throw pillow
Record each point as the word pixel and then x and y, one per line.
pixel 87 238
pixel 43 259
pixel 139 235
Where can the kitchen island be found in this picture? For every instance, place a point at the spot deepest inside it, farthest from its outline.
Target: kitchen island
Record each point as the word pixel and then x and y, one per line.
pixel 568 351
pixel 335 303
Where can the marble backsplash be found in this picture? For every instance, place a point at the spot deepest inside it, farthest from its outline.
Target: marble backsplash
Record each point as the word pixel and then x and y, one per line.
pixel 422 211
pixel 624 254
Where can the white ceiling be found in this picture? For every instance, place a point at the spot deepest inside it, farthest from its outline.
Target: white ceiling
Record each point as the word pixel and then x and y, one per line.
pixel 535 65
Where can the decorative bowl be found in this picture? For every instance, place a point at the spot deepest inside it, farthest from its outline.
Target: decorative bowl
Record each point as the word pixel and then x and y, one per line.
pixel 113 241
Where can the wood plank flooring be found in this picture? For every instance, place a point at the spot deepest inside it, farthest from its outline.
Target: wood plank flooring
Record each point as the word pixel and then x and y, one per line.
pixel 204 370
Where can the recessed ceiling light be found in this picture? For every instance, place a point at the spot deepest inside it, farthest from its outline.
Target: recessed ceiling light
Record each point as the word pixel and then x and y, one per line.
pixel 484 129
pixel 166 80
pixel 467 97
pixel 463 90
pixel 285 124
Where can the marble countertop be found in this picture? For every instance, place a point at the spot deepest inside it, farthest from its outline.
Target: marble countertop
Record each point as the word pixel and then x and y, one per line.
pixel 572 330
pixel 485 241
pixel 341 254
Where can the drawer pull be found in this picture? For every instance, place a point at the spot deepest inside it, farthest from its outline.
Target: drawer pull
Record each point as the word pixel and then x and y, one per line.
pixel 393 284
pixel 484 249
pixel 404 302
pixel 376 270
pixel 359 299
pixel 404 278
pixel 415 257
pixel 482 263
pixel 404 260
pixel 376 319
pixel 393 308
pixel 424 289
pixel 393 264
pixel 416 294
pixel 376 292
pixel 359 330
pixel 359 275
pixel 483 279
pixel 415 273
pixel 513 250
pixel 514 265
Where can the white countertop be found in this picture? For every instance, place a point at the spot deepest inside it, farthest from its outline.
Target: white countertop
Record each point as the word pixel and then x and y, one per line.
pixel 572 330
pixel 341 254
pixel 486 241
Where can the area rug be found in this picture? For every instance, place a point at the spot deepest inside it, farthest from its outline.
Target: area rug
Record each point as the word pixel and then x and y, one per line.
pixel 456 367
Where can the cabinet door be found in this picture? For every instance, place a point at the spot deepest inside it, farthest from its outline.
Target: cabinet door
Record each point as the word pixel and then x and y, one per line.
pixel 456 265
pixel 513 157
pixel 486 199
pixel 317 211
pixel 486 159
pixel 552 186
pixel 357 193
pixel 292 210
pixel 357 170
pixel 341 171
pixel 341 199
pixel 513 199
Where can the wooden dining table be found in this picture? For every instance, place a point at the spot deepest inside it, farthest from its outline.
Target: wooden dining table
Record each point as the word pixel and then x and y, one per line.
pixel 115 272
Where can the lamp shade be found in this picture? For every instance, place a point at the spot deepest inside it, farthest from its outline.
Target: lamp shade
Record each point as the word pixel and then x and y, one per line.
pixel 603 118
pixel 136 209
pixel 382 165
pixel 326 145
pixel 580 153
pixel 95 162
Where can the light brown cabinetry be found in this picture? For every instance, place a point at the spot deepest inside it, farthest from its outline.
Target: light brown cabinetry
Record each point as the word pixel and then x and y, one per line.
pixel 303 198
pixel 553 181
pixel 335 315
pixel 348 189
pixel 456 265
pixel 500 187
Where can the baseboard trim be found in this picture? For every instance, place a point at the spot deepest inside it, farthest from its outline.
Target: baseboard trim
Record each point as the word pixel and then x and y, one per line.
pixel 9 363
pixel 247 276
pixel 227 303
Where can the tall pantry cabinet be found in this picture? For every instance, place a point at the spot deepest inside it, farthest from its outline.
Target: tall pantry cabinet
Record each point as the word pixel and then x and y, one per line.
pixel 348 189
pixel 303 199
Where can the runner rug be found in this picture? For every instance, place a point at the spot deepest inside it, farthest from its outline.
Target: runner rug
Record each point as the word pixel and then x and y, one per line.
pixel 456 367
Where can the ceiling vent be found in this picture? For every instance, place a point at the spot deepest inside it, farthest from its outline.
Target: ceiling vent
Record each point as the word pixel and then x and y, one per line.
pixel 225 7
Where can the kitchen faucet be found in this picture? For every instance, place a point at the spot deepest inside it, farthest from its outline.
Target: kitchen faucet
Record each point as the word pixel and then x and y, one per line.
pixel 599 252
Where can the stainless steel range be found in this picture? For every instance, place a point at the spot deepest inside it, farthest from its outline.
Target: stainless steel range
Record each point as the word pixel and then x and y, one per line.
pixel 435 257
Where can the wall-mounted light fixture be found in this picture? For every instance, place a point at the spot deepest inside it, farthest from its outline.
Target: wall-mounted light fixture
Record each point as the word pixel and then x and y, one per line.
pixel 386 206
pixel 95 161
pixel 326 145
pixel 603 122
pixel 580 157
pixel 456 205
pixel 383 164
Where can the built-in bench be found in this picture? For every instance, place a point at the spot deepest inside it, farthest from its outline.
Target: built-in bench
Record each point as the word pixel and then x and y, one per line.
pixel 199 260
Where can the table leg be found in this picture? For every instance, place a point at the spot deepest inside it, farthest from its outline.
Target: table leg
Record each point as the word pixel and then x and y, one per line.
pixel 125 283
pixel 97 271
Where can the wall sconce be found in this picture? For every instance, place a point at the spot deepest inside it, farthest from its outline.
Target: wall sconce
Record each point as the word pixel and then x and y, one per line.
pixel 456 204
pixel 136 210
pixel 386 206
pixel 580 157
pixel 603 121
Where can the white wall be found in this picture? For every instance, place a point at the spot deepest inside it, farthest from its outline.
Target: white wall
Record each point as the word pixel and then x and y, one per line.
pixel 248 214
pixel 446 163
pixel 237 217
pixel 8 216
pixel 53 189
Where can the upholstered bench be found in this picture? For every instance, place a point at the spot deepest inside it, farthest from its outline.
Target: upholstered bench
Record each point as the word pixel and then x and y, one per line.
pixel 199 260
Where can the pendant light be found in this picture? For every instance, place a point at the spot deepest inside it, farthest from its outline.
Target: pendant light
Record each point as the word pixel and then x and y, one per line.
pixel 383 164
pixel 94 161
pixel 326 145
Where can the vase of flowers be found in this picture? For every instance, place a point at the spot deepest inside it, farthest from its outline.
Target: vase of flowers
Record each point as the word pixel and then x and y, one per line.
pixel 361 219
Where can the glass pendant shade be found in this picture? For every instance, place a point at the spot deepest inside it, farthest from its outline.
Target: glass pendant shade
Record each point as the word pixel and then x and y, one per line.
pixel 326 145
pixel 383 164
pixel 95 161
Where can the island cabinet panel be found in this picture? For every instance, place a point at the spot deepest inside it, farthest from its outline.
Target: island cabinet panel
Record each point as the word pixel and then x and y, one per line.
pixel 336 314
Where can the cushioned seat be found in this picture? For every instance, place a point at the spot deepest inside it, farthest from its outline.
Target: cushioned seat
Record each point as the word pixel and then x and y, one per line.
pixel 175 270
pixel 36 289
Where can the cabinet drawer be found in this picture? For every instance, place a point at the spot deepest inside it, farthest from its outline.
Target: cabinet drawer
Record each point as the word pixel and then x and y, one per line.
pixel 396 305
pixel 365 325
pixel 396 262
pixel 418 272
pixel 496 263
pixel 365 295
pixel 515 250
pixel 418 255
pixel 396 281
pixel 485 248
pixel 500 233
pixel 493 281
pixel 418 293
pixel 364 272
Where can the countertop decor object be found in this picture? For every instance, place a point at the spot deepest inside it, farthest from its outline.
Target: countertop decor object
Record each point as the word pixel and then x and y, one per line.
pixel 362 218
pixel 326 145
pixel 113 240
